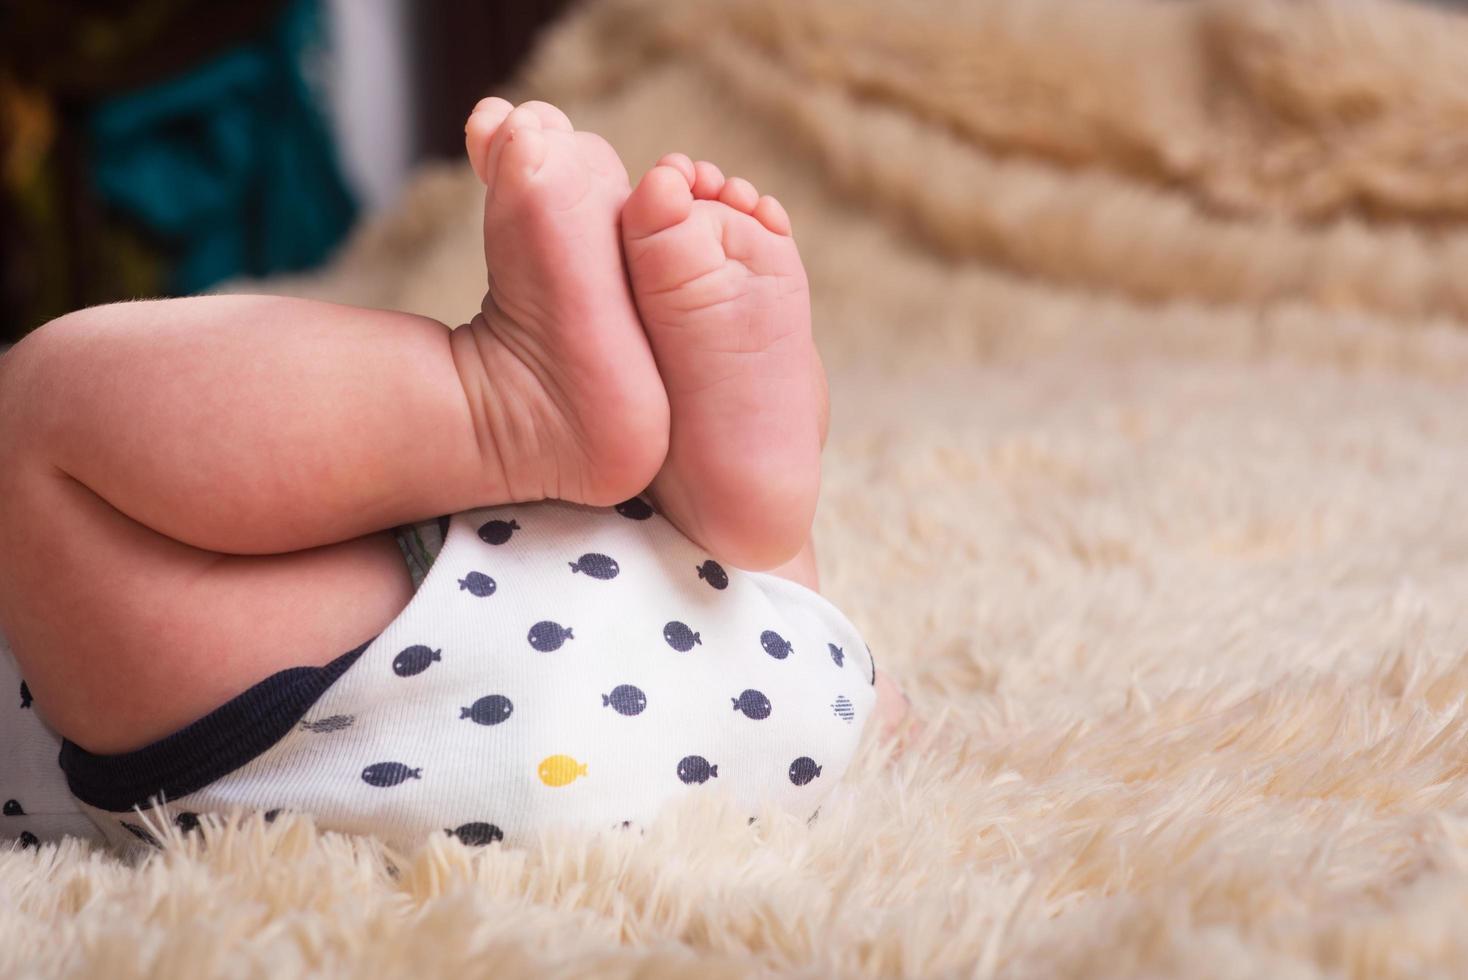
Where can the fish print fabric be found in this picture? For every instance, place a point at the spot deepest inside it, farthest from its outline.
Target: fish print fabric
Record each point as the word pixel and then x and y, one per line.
pixel 561 664
pixel 38 807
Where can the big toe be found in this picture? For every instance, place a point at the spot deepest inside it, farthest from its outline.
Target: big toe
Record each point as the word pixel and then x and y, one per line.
pixel 483 122
pixel 517 142
pixel 550 117
pixel 491 114
pixel 661 200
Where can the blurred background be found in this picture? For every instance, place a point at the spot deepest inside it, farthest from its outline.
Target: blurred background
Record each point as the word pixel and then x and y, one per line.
pixel 158 147
pixel 1239 153
pixel 1146 329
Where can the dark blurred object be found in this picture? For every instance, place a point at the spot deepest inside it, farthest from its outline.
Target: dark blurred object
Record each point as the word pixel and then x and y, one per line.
pixel 82 50
pixel 154 147
pixel 463 51
pixel 132 130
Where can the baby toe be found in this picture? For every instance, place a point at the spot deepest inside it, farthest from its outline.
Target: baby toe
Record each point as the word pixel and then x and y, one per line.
pixel 480 128
pixel 550 116
pixel 681 163
pixel 661 199
pixel 708 181
pixel 524 153
pixel 739 194
pixel 520 120
pixel 492 105
pixel 771 214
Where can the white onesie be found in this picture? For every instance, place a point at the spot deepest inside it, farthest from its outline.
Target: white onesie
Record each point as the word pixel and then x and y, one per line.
pixel 558 664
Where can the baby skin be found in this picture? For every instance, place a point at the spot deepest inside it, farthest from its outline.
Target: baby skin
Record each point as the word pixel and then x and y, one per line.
pixel 196 491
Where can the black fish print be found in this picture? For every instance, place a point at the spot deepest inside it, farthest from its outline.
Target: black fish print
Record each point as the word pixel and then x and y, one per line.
pixel 141 834
pixel 28 839
pixel 186 821
pixel 803 770
pixel 596 565
pixel 838 655
pixel 696 769
pixel 775 644
pixel 25 695
pixel 13 809
pixel 713 573
pixel 546 636
pixel 477 584
pixel 388 774
pixel 625 699
pixel 414 660
pixel 842 707
pixel 489 710
pixel 680 637
pixel 635 509
pixel 754 704
pixel 476 834
pixel 497 532
pixel 333 723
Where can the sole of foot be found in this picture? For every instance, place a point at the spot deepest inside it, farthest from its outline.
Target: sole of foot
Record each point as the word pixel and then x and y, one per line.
pixel 561 379
pixel 726 306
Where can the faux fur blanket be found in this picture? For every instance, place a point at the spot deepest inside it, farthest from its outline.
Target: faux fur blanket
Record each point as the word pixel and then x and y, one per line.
pixel 1148 476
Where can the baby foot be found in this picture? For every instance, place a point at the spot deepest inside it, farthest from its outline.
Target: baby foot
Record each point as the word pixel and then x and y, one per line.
pixel 568 398
pixel 725 303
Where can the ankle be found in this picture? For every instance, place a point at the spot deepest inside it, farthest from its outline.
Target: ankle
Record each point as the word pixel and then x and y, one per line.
pixel 532 443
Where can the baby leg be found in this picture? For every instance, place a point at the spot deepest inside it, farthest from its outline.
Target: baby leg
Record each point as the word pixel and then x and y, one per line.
pixel 193 488
pixel 150 447
pixel 258 425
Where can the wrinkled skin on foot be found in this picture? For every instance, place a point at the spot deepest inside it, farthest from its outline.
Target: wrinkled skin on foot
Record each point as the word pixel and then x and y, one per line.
pixel 701 380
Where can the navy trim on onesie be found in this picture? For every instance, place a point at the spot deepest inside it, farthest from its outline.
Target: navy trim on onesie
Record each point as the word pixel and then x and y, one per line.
pixel 206 750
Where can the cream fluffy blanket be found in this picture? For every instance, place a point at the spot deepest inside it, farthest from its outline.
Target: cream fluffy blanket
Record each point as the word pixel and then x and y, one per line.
pixel 1145 323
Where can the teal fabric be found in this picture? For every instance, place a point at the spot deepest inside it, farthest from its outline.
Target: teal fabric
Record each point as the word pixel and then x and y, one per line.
pixel 230 167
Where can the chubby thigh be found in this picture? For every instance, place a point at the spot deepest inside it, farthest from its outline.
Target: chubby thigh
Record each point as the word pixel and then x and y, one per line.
pixel 125 635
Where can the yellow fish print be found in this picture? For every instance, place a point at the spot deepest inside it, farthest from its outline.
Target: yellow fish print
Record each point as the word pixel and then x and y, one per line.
pixel 559 770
